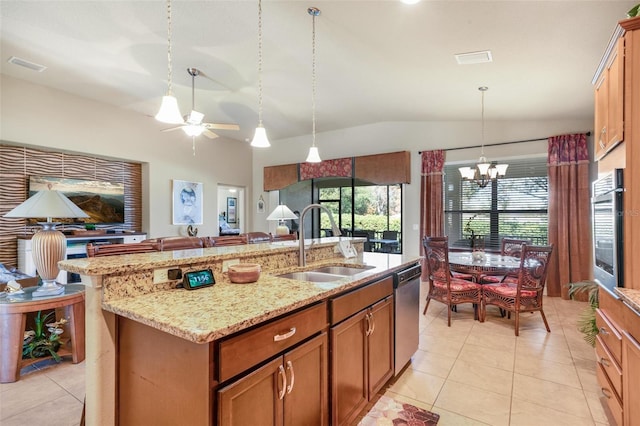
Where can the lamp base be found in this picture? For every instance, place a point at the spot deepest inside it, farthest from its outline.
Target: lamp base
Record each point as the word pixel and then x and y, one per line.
pixel 48 288
pixel 282 229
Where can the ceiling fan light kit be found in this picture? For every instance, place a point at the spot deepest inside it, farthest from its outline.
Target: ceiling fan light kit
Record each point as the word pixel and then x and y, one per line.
pixel 484 172
pixel 169 111
pixel 314 155
pixel 260 139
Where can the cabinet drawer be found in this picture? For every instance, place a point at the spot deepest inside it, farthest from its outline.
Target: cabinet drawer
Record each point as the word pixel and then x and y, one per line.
pixel 608 396
pixel 247 349
pixel 344 306
pixel 609 335
pixel 609 365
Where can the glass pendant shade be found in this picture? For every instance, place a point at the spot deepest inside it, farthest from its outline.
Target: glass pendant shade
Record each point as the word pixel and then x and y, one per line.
pixel 193 130
pixel 260 139
pixel 314 155
pixel 483 166
pixel 169 111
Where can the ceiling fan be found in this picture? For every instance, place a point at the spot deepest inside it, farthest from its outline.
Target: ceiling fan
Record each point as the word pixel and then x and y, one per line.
pixel 193 125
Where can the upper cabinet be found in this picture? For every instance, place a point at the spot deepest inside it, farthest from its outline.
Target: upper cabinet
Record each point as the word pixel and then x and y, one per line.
pixel 609 98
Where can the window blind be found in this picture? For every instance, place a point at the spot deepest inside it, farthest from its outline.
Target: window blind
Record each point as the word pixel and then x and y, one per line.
pixel 514 206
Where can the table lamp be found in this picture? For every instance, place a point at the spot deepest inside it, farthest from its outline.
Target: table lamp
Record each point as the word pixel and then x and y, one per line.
pixel 282 213
pixel 48 246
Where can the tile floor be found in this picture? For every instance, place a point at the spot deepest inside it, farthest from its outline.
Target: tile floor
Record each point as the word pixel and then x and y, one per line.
pixel 471 374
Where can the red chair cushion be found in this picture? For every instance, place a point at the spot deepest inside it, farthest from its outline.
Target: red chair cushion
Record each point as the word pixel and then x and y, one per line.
pixel 490 279
pixel 508 290
pixel 457 285
pixel 462 276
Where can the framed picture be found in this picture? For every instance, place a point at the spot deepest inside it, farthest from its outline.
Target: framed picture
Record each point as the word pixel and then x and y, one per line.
pixel 261 205
pixel 231 209
pixel 187 202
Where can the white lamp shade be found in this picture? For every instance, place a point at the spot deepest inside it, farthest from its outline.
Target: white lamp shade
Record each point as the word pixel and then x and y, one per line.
pixel 466 172
pixel 169 111
pixel 260 139
pixel 47 203
pixel 193 130
pixel 282 212
pixel 483 168
pixel 493 172
pixel 502 169
pixel 314 155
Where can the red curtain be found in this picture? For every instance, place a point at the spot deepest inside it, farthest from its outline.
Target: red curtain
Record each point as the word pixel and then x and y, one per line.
pixel 431 206
pixel 569 213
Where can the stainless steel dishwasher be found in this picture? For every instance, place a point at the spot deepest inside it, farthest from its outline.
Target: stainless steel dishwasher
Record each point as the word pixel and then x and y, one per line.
pixel 407 315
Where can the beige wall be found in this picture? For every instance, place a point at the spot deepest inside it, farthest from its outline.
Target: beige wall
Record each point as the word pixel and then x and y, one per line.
pixel 41 117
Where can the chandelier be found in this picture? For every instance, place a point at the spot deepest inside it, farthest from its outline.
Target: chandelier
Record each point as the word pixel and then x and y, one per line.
pixel 484 172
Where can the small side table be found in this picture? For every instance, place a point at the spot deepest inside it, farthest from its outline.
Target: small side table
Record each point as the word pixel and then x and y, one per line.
pixel 13 318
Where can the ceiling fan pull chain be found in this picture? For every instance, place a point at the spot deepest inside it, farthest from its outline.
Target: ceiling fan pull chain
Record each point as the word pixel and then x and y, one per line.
pixel 193 145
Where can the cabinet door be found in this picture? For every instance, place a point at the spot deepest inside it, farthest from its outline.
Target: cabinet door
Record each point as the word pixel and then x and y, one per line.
pixel 254 399
pixel 348 369
pixel 307 398
pixel 601 115
pixel 380 345
pixel 630 382
pixel 615 93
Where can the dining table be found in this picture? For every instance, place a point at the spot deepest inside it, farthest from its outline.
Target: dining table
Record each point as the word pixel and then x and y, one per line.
pixel 483 263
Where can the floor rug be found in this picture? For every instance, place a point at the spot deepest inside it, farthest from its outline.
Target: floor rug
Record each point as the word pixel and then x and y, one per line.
pixel 389 412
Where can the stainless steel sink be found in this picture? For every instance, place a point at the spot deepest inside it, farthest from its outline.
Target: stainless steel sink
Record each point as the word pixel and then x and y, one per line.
pixel 342 270
pixel 312 276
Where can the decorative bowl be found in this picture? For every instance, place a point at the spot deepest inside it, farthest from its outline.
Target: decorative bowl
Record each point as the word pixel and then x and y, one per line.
pixel 242 273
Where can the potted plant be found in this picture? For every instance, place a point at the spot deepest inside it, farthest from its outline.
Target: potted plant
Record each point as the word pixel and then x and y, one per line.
pixel 41 342
pixel 587 319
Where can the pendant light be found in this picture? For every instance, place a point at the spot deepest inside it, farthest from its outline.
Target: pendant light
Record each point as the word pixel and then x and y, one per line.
pixel 484 172
pixel 260 139
pixel 314 155
pixel 169 111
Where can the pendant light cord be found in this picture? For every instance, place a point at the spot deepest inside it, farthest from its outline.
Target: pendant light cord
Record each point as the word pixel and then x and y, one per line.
pixel 169 64
pixel 259 63
pixel 482 90
pixel 313 78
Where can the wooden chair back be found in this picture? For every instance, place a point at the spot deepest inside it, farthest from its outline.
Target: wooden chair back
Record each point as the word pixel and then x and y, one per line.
pixel 437 259
pixel 258 237
pixel 512 247
pixel 229 240
pixel 285 237
pixel 534 266
pixel 97 250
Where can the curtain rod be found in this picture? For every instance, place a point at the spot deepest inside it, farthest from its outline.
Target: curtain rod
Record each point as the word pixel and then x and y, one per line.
pixel 499 143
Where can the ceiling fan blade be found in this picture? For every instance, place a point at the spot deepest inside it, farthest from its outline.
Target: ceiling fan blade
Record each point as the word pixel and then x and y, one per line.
pixel 221 126
pixel 171 129
pixel 209 134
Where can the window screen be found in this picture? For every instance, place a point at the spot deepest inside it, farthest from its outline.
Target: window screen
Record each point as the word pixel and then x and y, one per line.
pixel 514 206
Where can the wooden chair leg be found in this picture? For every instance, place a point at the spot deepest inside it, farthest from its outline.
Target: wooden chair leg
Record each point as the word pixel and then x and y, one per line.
pixel 544 318
pixel 427 306
pixel 449 317
pixel 517 315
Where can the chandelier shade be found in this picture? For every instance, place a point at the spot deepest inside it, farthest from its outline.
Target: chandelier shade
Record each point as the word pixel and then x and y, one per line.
pixel 485 171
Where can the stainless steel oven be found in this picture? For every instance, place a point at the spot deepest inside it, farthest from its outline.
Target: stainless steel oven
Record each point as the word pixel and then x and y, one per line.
pixel 608 232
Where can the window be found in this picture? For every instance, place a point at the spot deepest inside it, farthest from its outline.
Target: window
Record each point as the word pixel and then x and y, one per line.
pixel 514 206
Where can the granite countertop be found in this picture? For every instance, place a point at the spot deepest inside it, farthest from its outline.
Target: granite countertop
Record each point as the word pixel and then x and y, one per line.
pixel 630 296
pixel 207 314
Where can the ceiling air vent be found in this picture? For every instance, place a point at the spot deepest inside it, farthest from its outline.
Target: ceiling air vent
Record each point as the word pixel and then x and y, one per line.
pixel 27 64
pixel 474 57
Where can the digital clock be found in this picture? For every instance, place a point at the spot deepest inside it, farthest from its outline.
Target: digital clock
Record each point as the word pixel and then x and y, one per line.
pixel 198 279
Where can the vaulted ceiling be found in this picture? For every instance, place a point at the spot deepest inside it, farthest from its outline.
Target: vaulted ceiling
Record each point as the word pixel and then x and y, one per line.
pixel 376 61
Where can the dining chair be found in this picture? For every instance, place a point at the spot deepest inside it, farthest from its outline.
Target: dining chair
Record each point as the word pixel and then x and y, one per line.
pixel 510 247
pixel 442 286
pixel 524 292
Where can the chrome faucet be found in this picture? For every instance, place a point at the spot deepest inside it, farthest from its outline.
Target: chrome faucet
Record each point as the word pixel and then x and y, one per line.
pixel 336 231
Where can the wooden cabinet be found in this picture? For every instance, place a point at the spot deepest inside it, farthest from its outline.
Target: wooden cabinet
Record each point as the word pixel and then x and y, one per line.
pixel 631 383
pixel 290 390
pixel 361 348
pixel 609 372
pixel 609 101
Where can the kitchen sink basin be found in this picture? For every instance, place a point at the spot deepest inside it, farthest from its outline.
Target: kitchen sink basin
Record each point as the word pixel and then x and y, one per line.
pixel 312 276
pixel 341 270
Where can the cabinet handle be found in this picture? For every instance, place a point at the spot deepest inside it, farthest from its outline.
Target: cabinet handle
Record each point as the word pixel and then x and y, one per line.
pixel 373 324
pixel 604 362
pixel 283 381
pixel 285 336
pixel 602 133
pixel 293 377
pixel 603 331
pixel 606 392
pixel 368 332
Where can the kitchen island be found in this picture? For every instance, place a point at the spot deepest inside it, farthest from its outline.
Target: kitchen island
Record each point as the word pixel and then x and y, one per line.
pixel 162 354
